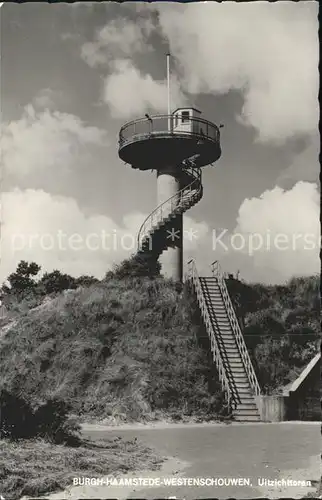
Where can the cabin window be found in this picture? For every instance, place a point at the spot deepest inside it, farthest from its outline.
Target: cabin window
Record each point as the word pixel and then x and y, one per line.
pixel 185 116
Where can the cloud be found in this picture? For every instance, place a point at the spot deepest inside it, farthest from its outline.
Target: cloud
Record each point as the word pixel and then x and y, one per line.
pixel 57 234
pixel 268 51
pixel 127 90
pixel 305 165
pixel 45 99
pixel 54 232
pixel 276 236
pixel 116 39
pixel 46 140
pixel 294 216
pixel 129 93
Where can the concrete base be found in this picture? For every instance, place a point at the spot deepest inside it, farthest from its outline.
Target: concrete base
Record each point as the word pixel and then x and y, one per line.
pixel 272 408
pixel 171 260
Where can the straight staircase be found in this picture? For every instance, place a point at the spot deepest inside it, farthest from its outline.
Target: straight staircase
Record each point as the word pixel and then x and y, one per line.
pixel 228 346
pixel 230 354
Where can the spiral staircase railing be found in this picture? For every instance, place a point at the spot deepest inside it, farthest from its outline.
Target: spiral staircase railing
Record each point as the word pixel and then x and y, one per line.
pixel 181 201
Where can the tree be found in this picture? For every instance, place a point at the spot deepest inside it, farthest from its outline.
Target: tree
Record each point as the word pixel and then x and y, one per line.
pixel 57 282
pixel 243 297
pixel 22 280
pixel 86 280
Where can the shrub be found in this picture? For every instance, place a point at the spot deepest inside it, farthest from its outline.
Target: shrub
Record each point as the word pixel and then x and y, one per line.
pixel 139 265
pixel 50 420
pixel 16 416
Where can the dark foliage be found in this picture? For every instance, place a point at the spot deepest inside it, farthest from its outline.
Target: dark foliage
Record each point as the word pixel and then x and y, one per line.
pixel 138 266
pixel 50 420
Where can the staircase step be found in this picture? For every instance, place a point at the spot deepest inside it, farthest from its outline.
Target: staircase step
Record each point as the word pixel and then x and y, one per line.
pixel 221 321
pixel 241 378
pixel 248 401
pixel 242 385
pixel 246 411
pixel 246 418
pixel 238 370
pixel 215 303
pixel 245 395
pixel 244 390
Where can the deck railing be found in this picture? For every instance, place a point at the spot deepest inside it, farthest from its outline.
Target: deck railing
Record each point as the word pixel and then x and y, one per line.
pixel 159 125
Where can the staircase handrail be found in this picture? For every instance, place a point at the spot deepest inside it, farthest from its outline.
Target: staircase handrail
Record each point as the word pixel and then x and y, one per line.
pixel 194 277
pixel 174 202
pixel 217 272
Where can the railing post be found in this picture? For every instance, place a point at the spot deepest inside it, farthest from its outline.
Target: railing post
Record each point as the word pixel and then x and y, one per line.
pixel 214 268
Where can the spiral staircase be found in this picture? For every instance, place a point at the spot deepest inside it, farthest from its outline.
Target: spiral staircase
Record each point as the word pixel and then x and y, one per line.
pixel 154 234
pixel 229 350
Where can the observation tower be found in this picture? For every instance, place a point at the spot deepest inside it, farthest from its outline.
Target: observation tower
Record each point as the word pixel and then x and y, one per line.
pixel 177 145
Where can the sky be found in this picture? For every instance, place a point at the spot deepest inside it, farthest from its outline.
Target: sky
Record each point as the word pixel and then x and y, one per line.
pixel 73 74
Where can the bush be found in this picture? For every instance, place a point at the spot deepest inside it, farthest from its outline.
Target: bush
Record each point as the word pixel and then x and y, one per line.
pixel 50 420
pixel 16 417
pixel 139 265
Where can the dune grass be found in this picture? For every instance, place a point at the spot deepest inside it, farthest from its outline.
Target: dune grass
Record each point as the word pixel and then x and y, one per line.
pixel 36 467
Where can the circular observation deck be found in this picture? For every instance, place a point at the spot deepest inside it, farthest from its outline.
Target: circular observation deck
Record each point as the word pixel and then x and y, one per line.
pixel 150 143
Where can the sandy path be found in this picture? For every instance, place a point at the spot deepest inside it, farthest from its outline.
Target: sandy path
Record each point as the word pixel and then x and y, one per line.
pixel 312 473
pixel 284 461
pixel 171 467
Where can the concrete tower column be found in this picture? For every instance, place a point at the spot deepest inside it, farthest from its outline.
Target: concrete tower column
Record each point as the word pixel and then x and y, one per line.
pixel 171 260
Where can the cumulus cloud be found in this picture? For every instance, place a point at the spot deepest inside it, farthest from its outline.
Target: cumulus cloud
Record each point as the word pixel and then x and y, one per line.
pixel 45 99
pixel 56 233
pixel 285 227
pixel 268 51
pixel 305 165
pixel 129 93
pixel 118 38
pixel 45 140
pixel 277 236
pixel 126 89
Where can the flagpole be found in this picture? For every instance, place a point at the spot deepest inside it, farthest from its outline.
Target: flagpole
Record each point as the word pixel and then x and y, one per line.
pixel 168 87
